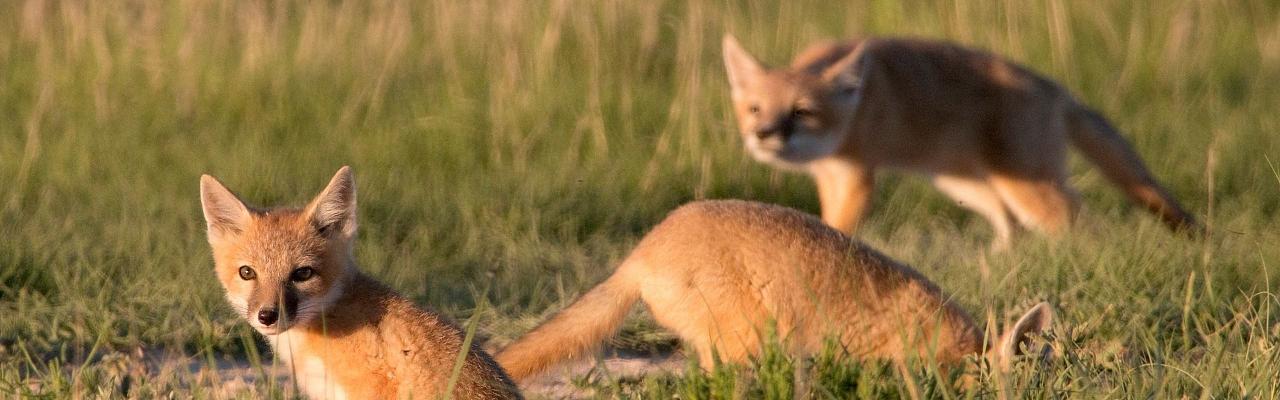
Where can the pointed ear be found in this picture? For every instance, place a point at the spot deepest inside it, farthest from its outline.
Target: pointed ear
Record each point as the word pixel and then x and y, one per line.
pixel 333 211
pixel 1036 320
pixel 847 72
pixel 742 68
pixel 224 213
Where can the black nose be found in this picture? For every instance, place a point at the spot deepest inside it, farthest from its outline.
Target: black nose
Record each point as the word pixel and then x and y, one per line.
pixel 780 127
pixel 268 317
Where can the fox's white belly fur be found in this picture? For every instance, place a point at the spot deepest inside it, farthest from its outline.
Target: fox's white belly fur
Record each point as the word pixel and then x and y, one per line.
pixel 309 371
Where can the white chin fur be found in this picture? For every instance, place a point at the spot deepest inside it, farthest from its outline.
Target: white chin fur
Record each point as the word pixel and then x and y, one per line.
pixel 269 331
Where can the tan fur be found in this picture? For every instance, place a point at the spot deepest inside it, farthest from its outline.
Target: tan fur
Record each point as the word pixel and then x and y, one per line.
pixel 343 334
pixel 720 273
pixel 995 132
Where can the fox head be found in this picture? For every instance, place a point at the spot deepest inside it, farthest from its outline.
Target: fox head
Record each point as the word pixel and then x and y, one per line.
pixel 789 116
pixel 282 267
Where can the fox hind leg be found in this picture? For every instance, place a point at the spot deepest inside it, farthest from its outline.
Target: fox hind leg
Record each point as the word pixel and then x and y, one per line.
pixel 1043 205
pixel 978 196
pixel 1029 170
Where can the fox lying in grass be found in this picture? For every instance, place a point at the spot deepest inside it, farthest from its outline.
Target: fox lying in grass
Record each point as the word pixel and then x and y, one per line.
pixel 992 134
pixel 291 274
pixel 718 273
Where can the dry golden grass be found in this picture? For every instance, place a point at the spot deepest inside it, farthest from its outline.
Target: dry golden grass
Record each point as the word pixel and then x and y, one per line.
pixel 518 149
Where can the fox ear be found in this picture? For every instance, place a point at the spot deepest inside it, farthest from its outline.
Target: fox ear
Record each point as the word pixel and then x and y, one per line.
pixel 224 213
pixel 847 72
pixel 333 211
pixel 742 68
pixel 1036 320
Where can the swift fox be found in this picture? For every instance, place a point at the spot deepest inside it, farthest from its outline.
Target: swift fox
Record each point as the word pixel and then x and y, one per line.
pixel 718 273
pixel 992 134
pixel 291 274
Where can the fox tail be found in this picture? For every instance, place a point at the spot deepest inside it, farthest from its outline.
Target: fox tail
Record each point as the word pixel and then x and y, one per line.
pixel 1102 144
pixel 574 331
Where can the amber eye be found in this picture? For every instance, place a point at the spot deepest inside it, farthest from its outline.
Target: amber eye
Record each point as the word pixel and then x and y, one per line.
pixel 302 274
pixel 247 273
pixel 754 109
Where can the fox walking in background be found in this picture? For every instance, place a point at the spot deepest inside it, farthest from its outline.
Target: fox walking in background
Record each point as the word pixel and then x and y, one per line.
pixel 720 273
pixel 291 274
pixel 992 134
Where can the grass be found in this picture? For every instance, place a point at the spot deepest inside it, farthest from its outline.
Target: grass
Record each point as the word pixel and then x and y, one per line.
pixel 525 146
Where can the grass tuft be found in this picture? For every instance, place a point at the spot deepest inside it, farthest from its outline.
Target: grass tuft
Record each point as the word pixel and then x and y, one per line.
pixel 525 147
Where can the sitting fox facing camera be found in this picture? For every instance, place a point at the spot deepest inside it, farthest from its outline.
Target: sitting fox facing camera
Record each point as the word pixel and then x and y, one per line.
pixel 719 274
pixel 292 275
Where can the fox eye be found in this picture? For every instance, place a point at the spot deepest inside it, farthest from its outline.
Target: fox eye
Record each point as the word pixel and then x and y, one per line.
pixel 247 273
pixel 754 109
pixel 302 274
pixel 802 112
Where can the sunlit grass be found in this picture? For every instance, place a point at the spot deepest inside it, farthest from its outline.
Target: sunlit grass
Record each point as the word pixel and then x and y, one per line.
pixel 525 146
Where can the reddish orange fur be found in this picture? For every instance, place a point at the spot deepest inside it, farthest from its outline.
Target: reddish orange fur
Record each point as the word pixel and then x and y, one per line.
pixel 718 273
pixel 346 336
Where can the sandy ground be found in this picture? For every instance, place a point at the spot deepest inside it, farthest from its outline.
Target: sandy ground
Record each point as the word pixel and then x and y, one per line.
pixel 559 383
pixel 226 377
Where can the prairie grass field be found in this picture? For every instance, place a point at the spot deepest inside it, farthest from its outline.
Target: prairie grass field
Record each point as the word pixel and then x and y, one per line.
pixel 509 153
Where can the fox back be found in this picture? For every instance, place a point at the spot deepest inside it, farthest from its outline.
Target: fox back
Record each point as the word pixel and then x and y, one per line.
pixel 722 274
pixel 723 271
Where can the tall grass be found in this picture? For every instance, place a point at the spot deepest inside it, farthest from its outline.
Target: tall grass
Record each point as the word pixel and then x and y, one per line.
pixel 528 145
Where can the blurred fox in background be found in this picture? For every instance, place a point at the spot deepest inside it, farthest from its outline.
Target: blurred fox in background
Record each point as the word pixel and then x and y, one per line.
pixel 992 135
